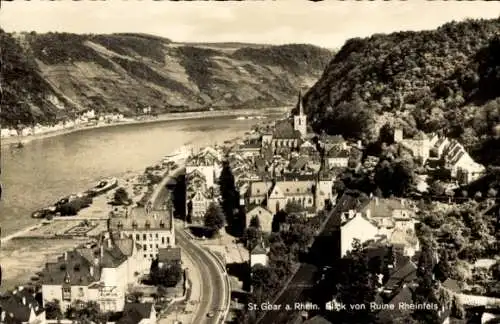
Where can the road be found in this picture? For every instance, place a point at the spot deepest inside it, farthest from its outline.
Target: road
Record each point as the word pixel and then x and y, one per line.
pixel 305 277
pixel 213 288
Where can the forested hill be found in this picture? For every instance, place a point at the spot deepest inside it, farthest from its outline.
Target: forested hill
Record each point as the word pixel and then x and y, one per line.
pixel 48 77
pixel 446 80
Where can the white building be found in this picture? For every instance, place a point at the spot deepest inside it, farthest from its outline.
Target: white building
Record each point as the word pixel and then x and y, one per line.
pixel 99 274
pixel 300 120
pixel 355 226
pixel 152 230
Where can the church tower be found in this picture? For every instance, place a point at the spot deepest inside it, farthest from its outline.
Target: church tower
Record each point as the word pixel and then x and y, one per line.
pixel 300 120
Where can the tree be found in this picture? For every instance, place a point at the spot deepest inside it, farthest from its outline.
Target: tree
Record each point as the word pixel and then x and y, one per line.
pixel 293 207
pixel 53 309
pixel 252 237
pixel 255 222
pixel 121 197
pixel 228 191
pixel 167 276
pixel 214 217
pixel 425 291
pixel 443 268
pixel 87 313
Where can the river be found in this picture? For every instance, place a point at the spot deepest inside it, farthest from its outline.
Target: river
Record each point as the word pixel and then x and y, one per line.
pixel 50 168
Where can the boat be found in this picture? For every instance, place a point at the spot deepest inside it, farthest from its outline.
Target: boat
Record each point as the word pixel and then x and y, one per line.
pixel 240 118
pixel 102 186
pixel 44 212
pixel 182 152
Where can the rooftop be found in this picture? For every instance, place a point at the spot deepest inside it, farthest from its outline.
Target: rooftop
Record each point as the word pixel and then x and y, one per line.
pixel 138 219
pixel 380 207
pixel 169 254
pixel 283 129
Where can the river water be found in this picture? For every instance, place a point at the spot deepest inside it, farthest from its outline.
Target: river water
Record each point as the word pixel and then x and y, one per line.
pixel 48 169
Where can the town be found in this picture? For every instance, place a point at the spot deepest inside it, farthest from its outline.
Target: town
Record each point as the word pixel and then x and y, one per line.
pixel 282 216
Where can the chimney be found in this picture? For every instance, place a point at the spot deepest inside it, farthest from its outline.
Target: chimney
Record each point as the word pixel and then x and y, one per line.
pixel 110 243
pixel 91 270
pixel 402 202
pixel 368 213
pixel 65 256
pixel 102 251
pixel 376 201
pixel 24 301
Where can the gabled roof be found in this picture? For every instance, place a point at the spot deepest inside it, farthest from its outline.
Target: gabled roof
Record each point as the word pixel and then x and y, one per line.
pixel 253 208
pixel 157 219
pixel 169 254
pixel 284 130
pixel 293 188
pixel 384 207
pixel 259 249
pixel 260 188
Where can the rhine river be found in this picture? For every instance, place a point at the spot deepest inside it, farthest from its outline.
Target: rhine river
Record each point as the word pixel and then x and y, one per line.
pixel 48 169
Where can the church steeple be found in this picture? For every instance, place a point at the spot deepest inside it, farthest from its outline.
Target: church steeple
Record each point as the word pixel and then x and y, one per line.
pixel 300 120
pixel 299 104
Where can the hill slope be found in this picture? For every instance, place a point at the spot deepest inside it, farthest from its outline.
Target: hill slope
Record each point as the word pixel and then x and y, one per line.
pixel 441 80
pixel 52 76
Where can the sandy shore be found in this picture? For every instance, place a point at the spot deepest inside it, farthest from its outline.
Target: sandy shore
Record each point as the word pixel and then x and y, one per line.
pixel 161 118
pixel 26 251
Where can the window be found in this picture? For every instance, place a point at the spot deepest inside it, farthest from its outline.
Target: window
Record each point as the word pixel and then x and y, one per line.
pixel 145 247
pixel 168 240
pixel 156 245
pixel 145 256
pixel 144 237
pixel 66 293
pixel 80 292
pixel 137 237
pixel 163 240
pixel 151 246
pixel 150 236
pixel 156 235
pixel 310 200
pixel 151 256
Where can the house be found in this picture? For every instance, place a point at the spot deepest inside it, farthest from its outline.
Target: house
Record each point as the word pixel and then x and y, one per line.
pixel 197 204
pixel 138 313
pixel 309 149
pixel 419 146
pixel 337 158
pixel 287 134
pixel 169 256
pixel 265 218
pixel 290 191
pixel 393 311
pixel 151 229
pixel 390 213
pixel 21 307
pixel 99 274
pixel 250 150
pixel 208 162
pixel 355 226
pixel 258 192
pixel 405 241
pixel 259 255
pixel 332 141
pixel 324 190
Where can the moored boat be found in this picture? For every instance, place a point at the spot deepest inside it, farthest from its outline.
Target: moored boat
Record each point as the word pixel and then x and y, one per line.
pixel 102 186
pixel 44 212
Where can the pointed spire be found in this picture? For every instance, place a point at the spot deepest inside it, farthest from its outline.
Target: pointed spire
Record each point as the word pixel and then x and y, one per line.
pixel 299 103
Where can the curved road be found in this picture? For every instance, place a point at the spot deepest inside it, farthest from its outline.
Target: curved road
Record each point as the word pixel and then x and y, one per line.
pixel 213 286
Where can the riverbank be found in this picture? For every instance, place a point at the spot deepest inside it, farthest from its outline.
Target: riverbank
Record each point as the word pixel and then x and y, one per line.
pixel 7 141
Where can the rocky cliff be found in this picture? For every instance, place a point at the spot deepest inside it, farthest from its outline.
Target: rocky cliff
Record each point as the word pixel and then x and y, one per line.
pixel 47 77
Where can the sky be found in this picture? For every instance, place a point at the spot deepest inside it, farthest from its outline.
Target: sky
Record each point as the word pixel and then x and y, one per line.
pixel 328 24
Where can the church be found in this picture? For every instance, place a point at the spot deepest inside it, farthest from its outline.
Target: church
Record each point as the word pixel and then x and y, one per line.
pixel 288 133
